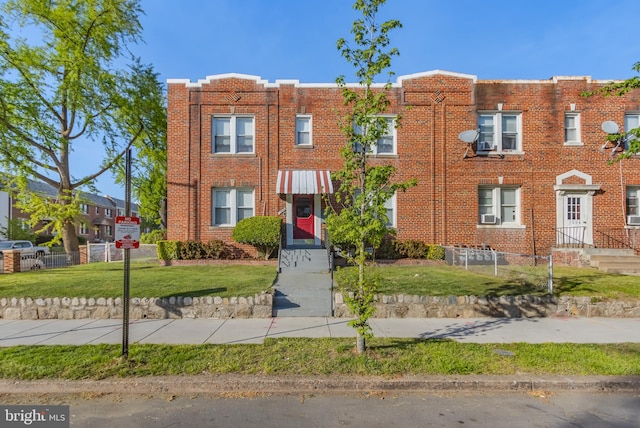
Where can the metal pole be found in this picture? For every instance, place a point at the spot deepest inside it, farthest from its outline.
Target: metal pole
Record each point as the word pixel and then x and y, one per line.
pixel 127 262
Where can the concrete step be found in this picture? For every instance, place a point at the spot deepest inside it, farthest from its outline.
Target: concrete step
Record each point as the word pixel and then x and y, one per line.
pixel 600 260
pixel 621 270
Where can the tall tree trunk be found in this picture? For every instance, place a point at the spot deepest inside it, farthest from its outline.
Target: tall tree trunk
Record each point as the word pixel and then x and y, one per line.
pixel 69 235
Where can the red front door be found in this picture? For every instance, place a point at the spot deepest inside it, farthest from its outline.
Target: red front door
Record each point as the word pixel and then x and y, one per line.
pixel 303 218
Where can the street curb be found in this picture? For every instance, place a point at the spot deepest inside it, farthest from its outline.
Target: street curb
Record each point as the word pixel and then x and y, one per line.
pixel 225 384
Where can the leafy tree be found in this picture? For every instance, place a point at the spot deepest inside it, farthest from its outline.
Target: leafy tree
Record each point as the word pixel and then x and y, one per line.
pixel 631 136
pixel 17 230
pixel 67 79
pixel 359 220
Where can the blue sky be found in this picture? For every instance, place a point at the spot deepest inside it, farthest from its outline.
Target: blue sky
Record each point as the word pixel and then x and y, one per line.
pixel 296 39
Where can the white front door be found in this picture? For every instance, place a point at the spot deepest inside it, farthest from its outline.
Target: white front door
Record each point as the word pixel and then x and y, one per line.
pixel 575 223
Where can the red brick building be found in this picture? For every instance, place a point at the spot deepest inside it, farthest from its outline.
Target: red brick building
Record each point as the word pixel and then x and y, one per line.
pixel 535 176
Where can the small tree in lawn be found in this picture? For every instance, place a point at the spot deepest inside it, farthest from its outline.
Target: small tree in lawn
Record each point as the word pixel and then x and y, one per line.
pixel 359 219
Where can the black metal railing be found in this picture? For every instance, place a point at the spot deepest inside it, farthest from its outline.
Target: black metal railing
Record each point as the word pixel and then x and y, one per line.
pixel 571 236
pixel 624 238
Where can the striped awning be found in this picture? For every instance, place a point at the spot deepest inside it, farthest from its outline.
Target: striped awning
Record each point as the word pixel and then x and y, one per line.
pixel 304 182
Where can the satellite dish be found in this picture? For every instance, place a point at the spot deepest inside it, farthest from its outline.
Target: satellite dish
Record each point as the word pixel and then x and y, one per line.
pixel 610 127
pixel 468 136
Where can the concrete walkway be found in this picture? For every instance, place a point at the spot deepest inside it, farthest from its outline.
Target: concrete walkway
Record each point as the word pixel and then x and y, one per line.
pixel 217 331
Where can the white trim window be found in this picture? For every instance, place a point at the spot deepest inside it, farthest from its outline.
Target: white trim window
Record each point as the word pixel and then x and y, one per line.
pixel 499 205
pixel 108 230
pixel 108 212
pixel 84 208
pixel 500 132
pixel 391 209
pixel 572 129
pixel 233 134
pixel 303 130
pixel 83 229
pixel 632 205
pixel 386 144
pixel 631 121
pixel 230 205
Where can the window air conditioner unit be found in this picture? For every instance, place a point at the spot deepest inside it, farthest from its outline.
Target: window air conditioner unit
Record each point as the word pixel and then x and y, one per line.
pixel 633 220
pixel 486 146
pixel 488 219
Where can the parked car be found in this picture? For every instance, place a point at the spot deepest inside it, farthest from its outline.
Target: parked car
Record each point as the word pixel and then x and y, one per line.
pixel 27 249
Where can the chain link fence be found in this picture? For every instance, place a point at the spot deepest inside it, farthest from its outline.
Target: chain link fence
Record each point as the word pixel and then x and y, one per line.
pixel 108 252
pixel 526 270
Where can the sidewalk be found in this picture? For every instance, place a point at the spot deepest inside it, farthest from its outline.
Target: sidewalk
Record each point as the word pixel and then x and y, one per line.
pixel 235 331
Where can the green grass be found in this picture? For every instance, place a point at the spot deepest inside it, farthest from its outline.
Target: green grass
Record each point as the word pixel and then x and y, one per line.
pixel 296 356
pixel 442 280
pixel 147 280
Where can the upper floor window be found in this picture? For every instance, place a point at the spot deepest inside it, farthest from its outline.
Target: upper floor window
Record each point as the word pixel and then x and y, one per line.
pixel 386 144
pixel 303 130
pixel 233 134
pixel 572 128
pixel 97 210
pixel 499 205
pixel 120 212
pixel 84 208
pixel 230 205
pixel 633 205
pixel 108 212
pixel 631 121
pixel 500 132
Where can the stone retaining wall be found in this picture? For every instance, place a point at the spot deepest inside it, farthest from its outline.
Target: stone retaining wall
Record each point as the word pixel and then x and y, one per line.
pixel 406 306
pixel 260 306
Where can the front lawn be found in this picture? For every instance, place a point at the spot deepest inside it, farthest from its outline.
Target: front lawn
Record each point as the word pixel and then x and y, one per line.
pixel 149 279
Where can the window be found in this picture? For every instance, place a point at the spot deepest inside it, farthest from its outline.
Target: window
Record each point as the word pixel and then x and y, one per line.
pixel 303 131
pixel 83 229
pixel 386 144
pixel 500 132
pixel 389 207
pixel 233 134
pixel 108 212
pixel 108 230
pixel 499 205
pixel 97 210
pixel 230 205
pixel 631 121
pixel 633 205
pixel 572 128
pixel 84 208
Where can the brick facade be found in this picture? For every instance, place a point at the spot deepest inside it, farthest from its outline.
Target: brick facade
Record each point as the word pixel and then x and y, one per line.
pixel 435 108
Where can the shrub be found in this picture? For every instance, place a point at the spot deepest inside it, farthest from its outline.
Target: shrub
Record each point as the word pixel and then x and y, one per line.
pixel 153 237
pixel 388 249
pixel 414 249
pixel 167 250
pixel 262 232
pixel 436 252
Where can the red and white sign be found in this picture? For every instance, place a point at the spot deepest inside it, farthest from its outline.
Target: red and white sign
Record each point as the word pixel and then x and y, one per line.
pixel 127 232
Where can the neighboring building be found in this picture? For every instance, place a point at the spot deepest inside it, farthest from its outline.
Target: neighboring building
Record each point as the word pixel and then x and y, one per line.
pixel 100 212
pixel 537 176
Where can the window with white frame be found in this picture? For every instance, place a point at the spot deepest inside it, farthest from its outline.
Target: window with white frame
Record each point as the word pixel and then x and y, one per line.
pixel 230 205
pixel 631 121
pixel 633 205
pixel 499 205
pixel 389 207
pixel 500 132
pixel 233 134
pixel 108 230
pixel 572 128
pixel 84 208
pixel 303 130
pixel 108 212
pixel 83 229
pixel 120 212
pixel 386 144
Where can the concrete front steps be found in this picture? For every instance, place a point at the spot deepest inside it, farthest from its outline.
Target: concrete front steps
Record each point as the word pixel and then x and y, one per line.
pixel 616 261
pixel 304 285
